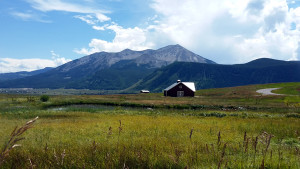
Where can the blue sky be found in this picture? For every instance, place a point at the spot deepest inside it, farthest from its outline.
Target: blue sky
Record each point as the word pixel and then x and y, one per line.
pixel 39 33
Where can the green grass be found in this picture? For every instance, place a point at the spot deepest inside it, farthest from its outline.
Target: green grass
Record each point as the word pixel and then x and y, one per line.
pixel 161 141
pixel 151 131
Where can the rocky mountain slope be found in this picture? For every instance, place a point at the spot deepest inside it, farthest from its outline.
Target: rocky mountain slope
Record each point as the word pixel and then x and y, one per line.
pixel 103 70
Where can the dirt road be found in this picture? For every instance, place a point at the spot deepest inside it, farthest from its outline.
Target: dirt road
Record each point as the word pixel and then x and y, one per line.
pixel 268 91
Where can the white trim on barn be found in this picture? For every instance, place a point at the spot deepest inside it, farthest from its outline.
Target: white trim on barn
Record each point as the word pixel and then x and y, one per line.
pixel 190 85
pixel 180 89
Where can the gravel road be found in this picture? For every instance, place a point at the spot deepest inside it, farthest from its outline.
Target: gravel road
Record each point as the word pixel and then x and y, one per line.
pixel 267 91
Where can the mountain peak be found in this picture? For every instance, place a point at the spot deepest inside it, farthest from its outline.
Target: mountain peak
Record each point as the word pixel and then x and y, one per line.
pixel 127 50
pixel 176 45
pixel 169 47
pixel 172 53
pixel 262 62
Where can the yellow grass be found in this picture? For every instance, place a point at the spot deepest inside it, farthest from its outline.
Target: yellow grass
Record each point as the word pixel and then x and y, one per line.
pixel 140 135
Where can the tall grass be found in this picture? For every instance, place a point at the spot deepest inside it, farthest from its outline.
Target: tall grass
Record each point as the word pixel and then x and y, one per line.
pixel 105 140
pixel 220 128
pixel 15 138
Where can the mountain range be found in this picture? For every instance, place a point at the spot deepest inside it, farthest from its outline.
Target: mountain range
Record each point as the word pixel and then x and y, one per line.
pixel 129 71
pixel 107 71
pixel 22 74
pixel 260 71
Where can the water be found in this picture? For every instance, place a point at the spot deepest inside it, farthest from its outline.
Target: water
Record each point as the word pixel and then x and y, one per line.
pixel 89 108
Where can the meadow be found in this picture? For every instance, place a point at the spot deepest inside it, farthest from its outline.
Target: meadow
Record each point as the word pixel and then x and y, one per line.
pixel 219 128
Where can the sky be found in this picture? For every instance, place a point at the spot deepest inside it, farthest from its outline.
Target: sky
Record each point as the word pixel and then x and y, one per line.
pixel 35 34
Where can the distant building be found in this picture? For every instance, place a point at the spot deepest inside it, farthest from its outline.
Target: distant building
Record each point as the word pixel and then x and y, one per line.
pixel 180 89
pixel 144 91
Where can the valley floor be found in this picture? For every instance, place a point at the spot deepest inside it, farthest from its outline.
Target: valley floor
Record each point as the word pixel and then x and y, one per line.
pixel 220 128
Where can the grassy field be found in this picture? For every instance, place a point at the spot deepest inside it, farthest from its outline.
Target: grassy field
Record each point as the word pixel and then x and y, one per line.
pixel 219 128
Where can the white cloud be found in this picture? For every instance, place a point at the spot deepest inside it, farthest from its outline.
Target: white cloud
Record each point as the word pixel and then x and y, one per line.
pixel 29 16
pixel 87 18
pixel 24 16
pixel 58 60
pixel 100 28
pixel 60 5
pixel 132 38
pixel 228 31
pixel 16 65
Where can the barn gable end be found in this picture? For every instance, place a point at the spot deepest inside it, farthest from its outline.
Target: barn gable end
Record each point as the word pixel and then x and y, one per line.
pixel 180 89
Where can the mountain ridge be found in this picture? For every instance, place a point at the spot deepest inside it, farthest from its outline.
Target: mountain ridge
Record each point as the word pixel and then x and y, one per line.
pixel 22 74
pixel 129 71
pixel 94 69
pixel 217 75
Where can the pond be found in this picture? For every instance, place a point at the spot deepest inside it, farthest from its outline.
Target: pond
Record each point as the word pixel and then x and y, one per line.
pixel 92 108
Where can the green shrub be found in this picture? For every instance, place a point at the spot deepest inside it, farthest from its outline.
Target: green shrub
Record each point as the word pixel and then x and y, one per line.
pixel 294 115
pixel 291 142
pixel 234 114
pixel 44 98
pixel 213 114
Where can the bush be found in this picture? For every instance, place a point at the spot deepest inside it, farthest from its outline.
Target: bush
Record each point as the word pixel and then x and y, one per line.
pixel 213 114
pixel 294 115
pixel 44 98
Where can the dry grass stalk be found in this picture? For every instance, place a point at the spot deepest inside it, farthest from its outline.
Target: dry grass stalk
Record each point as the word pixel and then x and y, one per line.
pixel 265 138
pixel 268 142
pixel 279 157
pixel 109 133
pixel 191 133
pixel 125 166
pixel 255 147
pixel 60 160
pixel 207 149
pixel 245 136
pixel 222 156
pixel 178 153
pixel 255 144
pixel 55 156
pixel 63 156
pixel 32 166
pixel 14 139
pixel 120 127
pixel 46 148
pixel 94 147
pixel 246 145
pixel 219 138
pixel 246 141
pixel 297 150
pixel 262 166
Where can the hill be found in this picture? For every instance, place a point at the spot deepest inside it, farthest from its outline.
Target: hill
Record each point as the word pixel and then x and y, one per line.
pixel 259 71
pixel 18 75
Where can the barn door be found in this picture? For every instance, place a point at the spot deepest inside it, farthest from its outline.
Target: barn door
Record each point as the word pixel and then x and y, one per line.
pixel 180 93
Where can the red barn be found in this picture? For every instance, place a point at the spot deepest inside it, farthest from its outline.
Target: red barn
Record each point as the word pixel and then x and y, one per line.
pixel 180 89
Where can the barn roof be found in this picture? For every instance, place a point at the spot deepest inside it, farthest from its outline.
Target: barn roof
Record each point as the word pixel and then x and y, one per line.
pixel 190 85
pixel 145 91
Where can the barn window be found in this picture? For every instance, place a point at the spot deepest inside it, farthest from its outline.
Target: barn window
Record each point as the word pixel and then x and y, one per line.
pixel 180 93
